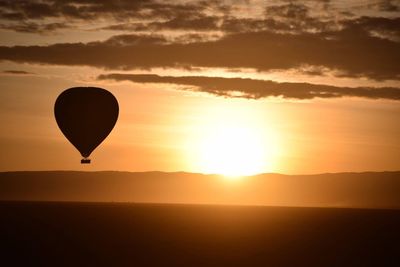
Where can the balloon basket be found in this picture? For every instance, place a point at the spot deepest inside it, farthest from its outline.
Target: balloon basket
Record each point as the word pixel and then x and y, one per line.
pixel 85 161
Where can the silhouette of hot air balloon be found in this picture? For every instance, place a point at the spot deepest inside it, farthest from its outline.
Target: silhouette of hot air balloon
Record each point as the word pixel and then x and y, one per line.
pixel 86 115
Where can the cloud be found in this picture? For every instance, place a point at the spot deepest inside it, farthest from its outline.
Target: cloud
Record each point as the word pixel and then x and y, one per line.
pixel 294 17
pixel 378 26
pixel 255 89
pixel 132 39
pixel 32 27
pixel 286 36
pixel 389 5
pixel 28 16
pixel 81 9
pixel 353 52
pixel 198 22
pixel 288 17
pixel 95 9
pixel 17 72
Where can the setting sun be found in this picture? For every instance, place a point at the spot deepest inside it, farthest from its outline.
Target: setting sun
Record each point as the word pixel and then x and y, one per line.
pixel 232 151
pixel 229 143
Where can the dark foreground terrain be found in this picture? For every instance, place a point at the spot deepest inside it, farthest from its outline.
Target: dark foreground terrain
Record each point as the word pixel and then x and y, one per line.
pixel 84 234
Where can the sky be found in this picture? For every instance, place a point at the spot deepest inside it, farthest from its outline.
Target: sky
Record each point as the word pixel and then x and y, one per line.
pixel 234 87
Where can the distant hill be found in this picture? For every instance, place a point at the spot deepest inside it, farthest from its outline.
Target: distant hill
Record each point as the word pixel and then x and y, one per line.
pixel 368 190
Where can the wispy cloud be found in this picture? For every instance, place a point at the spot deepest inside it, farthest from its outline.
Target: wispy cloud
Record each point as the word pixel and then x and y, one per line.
pixel 255 89
pixel 17 72
pixel 32 27
pixel 89 10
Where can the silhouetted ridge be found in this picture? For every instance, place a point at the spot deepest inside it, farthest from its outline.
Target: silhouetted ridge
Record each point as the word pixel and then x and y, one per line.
pixel 370 189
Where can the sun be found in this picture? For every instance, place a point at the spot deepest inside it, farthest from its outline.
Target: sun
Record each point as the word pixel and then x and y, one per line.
pixel 232 151
pixel 231 138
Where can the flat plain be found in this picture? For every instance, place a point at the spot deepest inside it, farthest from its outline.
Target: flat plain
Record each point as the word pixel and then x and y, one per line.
pixel 129 234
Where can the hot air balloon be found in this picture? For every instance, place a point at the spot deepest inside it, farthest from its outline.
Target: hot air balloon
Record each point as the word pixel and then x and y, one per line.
pixel 86 115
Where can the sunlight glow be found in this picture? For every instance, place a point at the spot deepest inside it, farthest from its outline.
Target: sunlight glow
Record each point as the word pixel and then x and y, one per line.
pixel 232 151
pixel 233 140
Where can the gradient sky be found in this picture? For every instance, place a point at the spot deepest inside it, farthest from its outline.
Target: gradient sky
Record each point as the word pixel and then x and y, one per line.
pixel 232 87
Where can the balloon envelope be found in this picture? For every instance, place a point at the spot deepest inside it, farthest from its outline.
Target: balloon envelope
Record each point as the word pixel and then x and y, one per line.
pixel 86 115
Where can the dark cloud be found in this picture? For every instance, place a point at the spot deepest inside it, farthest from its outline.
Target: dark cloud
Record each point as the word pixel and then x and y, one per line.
pixel 152 15
pixel 232 24
pixel 32 27
pixel 296 18
pixel 255 89
pixel 25 14
pixel 198 22
pixel 288 11
pixel 132 39
pixel 195 23
pixel 389 5
pixel 237 25
pixel 136 26
pixel 287 37
pixel 92 9
pixel 86 9
pixel 24 9
pixel 352 52
pixel 290 17
pixel 284 18
pixel 17 72
pixel 386 27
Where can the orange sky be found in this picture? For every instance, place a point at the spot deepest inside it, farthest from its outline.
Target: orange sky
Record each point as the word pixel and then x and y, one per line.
pixel 231 87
